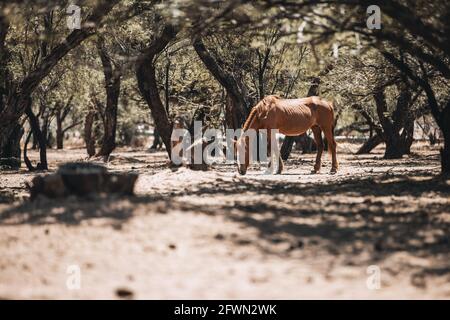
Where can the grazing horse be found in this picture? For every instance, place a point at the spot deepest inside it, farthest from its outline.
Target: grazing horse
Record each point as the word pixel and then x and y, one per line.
pixel 291 117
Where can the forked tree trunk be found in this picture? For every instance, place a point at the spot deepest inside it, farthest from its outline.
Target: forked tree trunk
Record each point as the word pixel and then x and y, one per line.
pixel 148 86
pixel 113 77
pixel 396 144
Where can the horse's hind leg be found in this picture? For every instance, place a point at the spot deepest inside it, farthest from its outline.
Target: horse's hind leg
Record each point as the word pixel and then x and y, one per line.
pixel 329 134
pixel 280 165
pixel 317 132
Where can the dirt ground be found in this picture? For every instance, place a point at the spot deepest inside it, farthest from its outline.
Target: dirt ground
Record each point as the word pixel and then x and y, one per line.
pixel 217 235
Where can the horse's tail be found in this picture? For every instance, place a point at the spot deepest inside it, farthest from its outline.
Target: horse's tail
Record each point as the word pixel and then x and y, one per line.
pixel 332 114
pixel 333 125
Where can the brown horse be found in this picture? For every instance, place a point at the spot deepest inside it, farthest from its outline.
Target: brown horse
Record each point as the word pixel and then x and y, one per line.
pixel 291 117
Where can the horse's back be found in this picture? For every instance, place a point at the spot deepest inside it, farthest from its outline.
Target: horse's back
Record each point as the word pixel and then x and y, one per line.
pixel 295 116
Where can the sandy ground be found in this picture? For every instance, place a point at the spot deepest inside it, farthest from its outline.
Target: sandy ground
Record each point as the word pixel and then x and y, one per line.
pixel 216 235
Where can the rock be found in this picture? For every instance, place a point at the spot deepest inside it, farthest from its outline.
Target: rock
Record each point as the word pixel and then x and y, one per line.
pixel 9 164
pixel 51 186
pixel 120 183
pixel 82 179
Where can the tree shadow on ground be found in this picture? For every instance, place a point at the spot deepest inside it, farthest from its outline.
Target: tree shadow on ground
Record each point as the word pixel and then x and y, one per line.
pixel 381 214
pixel 71 211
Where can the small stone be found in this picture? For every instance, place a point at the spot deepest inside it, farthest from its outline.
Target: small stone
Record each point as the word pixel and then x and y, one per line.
pixel 219 236
pixel 124 293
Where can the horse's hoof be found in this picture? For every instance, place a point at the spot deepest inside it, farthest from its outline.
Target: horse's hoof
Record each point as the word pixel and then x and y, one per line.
pixel 333 171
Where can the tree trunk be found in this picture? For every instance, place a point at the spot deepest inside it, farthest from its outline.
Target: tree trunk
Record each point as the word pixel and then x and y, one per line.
pixel 88 139
pixel 408 135
pixel 445 154
pixel 112 84
pixel 34 124
pixel 370 144
pixel 445 150
pixel 148 86
pixel 11 147
pixel 238 102
pixel 59 131
pixel 157 143
pixel 396 145
pixel 109 132
pixel 25 155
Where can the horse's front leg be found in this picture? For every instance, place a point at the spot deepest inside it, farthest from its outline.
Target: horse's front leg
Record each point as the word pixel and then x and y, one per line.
pixel 277 166
pixel 269 169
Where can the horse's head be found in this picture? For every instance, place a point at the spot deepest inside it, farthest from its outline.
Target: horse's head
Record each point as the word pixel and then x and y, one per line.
pixel 242 160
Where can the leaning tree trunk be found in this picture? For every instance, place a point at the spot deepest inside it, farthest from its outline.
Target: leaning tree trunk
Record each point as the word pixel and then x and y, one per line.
pixel 288 142
pixel 238 102
pixel 148 86
pixel 370 144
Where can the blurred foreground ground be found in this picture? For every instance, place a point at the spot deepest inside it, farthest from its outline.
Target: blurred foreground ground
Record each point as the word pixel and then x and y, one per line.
pixel 215 234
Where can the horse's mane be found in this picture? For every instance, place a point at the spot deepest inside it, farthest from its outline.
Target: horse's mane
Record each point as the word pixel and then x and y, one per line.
pixel 264 101
pixel 249 118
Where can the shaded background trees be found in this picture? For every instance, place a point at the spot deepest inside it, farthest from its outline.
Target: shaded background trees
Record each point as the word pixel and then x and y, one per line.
pixel 152 62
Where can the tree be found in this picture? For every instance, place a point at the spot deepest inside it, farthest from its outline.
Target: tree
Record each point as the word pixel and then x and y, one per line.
pixel 16 93
pixel 146 77
pixel 61 112
pixel 418 28
pixel 113 75
pixel 239 104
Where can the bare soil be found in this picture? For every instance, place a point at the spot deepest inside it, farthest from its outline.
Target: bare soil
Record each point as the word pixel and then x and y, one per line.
pixel 215 234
